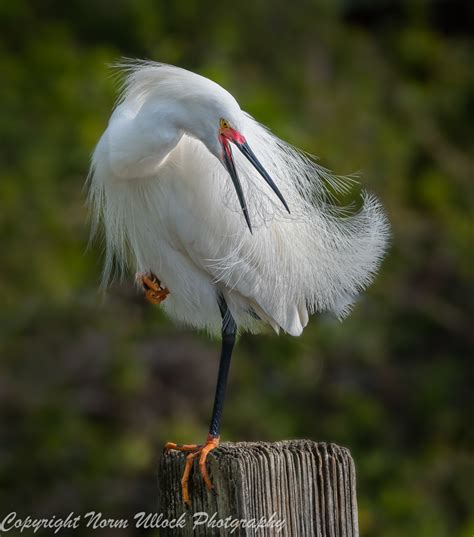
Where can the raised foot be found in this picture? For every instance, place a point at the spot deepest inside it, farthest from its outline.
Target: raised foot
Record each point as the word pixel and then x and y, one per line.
pixel 194 451
pixel 154 292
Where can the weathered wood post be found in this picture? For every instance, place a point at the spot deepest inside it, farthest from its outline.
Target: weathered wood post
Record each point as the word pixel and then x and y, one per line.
pixel 295 488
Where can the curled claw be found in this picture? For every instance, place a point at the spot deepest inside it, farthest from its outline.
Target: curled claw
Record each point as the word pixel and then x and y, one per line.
pixel 154 292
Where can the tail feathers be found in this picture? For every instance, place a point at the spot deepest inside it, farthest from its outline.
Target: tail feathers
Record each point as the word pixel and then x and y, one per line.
pixel 295 320
pixel 292 320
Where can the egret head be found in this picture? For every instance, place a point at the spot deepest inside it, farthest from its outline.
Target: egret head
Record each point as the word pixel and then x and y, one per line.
pixel 216 119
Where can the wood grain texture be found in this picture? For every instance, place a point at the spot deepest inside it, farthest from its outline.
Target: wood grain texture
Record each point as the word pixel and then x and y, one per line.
pixel 310 486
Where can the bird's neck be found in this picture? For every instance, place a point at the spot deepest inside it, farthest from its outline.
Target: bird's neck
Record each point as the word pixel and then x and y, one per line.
pixel 141 140
pixel 139 143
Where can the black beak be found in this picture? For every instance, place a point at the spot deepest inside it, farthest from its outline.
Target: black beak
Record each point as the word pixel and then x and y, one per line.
pixel 229 162
pixel 249 154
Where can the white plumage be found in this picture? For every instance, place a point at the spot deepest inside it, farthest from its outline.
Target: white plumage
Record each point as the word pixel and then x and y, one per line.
pixel 160 190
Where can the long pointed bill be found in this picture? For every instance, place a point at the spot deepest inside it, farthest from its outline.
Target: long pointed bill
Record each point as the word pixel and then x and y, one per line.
pixel 249 154
pixel 229 162
pixel 236 138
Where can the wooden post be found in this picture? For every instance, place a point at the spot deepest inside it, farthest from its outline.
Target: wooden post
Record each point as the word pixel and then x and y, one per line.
pixel 295 488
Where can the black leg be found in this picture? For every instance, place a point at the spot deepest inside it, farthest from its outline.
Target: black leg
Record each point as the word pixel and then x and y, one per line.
pixel 229 330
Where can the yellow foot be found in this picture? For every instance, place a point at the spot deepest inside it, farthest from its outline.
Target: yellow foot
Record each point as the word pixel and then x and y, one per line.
pixel 154 292
pixel 194 451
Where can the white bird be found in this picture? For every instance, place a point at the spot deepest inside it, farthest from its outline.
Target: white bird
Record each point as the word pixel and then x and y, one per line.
pixel 236 240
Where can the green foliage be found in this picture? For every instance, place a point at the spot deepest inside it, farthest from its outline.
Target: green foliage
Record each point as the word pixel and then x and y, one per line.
pixel 90 388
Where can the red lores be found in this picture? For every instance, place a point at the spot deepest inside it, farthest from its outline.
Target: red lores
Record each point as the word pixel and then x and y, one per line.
pixel 232 135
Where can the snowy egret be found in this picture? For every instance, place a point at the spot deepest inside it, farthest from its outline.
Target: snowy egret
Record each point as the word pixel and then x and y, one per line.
pixel 267 247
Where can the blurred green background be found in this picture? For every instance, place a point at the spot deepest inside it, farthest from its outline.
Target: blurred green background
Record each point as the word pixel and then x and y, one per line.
pixel 91 386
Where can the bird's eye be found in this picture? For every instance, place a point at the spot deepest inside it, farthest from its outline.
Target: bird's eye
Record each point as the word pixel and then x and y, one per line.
pixel 224 124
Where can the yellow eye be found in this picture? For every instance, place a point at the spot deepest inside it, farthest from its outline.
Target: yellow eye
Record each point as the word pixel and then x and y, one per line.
pixel 224 124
